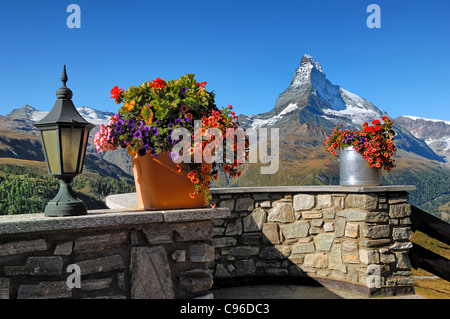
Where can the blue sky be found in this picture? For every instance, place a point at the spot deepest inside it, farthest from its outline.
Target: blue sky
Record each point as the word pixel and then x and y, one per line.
pixel 247 51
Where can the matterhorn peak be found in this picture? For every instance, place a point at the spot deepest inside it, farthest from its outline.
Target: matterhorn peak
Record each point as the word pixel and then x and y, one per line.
pixel 309 60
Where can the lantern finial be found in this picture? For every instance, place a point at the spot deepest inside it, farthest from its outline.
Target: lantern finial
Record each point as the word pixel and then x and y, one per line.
pixel 64 92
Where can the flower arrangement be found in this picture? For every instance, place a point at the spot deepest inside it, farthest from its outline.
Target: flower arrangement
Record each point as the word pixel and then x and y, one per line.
pixel 152 112
pixel 374 142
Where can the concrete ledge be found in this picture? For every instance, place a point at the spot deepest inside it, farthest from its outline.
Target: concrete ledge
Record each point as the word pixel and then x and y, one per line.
pixel 314 189
pixel 104 218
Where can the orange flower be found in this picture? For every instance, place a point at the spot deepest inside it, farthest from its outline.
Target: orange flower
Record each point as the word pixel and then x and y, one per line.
pixel 195 180
pixel 178 169
pixel 191 195
pixel 191 174
pixel 226 168
pixel 184 108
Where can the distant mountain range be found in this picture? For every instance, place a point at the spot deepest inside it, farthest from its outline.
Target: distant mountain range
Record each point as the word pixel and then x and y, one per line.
pixel 436 133
pixel 305 113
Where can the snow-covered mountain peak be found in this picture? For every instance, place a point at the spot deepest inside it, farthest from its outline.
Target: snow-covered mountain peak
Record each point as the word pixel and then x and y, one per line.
pixel 92 116
pixel 415 118
pixel 307 59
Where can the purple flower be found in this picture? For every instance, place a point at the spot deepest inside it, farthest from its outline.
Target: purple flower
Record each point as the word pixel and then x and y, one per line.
pixel 138 134
pixel 183 91
pixel 155 131
pixel 170 139
pixel 174 156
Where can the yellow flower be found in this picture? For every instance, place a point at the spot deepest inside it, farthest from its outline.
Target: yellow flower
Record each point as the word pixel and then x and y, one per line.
pixel 127 107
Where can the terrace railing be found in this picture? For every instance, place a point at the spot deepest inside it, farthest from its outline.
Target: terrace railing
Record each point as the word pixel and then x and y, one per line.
pixel 421 257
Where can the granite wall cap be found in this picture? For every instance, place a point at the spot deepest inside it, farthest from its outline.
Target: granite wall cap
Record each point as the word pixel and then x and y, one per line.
pixel 314 189
pixel 103 218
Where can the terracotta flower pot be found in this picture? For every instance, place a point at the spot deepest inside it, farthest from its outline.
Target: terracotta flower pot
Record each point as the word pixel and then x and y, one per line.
pixel 160 186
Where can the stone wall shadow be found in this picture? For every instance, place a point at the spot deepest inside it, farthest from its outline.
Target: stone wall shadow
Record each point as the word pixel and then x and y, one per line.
pixel 248 252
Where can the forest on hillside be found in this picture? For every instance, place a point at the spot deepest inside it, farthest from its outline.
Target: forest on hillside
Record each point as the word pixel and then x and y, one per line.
pixel 433 190
pixel 23 191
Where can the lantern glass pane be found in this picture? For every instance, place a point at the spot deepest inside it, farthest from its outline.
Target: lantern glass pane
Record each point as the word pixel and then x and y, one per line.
pixel 50 141
pixel 70 148
pixel 83 150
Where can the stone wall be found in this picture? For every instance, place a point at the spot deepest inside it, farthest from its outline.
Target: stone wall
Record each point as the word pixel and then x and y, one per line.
pixel 355 238
pixel 120 254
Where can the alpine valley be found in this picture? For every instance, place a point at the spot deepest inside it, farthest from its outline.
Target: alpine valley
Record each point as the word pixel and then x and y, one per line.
pixel 305 113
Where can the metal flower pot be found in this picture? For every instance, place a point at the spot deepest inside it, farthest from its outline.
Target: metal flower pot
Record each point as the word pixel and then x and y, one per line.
pixel 354 171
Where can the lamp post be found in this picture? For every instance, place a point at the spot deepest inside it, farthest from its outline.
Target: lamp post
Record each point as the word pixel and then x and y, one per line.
pixel 64 135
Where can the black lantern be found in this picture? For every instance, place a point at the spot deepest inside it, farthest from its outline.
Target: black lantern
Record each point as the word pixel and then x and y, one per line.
pixel 64 135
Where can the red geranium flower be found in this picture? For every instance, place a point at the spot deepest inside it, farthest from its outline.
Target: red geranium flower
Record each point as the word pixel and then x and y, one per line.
pixel 158 84
pixel 115 92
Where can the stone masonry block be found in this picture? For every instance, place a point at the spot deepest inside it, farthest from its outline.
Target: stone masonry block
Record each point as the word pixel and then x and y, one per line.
pixel 317 260
pixel 4 288
pixel 324 200
pixel 234 227
pixel 201 253
pixel 379 231
pixel 38 266
pixel 99 242
pixel 255 220
pixel 158 234
pixel 303 248
pixel 151 276
pixel 270 233
pixel 353 215
pixel 324 241
pixel 20 247
pixel 101 264
pixel 400 233
pixel 64 249
pixel 304 202
pixel 244 204
pixel 363 201
pixel 196 280
pixel 399 211
pixel 228 203
pixel 368 256
pixel 275 252
pixel 201 230
pixel 335 259
pixel 298 229
pixel 45 290
pixel 283 213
